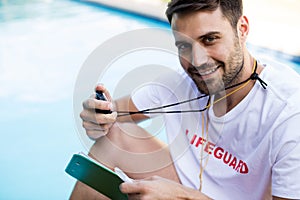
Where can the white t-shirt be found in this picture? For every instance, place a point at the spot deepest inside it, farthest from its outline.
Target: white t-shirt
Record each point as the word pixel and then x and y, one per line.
pixel 252 152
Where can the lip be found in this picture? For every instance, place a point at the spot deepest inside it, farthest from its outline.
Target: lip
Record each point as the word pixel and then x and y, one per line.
pixel 208 71
pixel 205 74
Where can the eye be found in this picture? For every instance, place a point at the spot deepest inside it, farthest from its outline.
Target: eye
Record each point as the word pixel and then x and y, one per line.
pixel 209 40
pixel 183 47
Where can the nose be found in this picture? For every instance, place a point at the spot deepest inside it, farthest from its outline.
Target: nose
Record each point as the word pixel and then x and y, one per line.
pixel 199 55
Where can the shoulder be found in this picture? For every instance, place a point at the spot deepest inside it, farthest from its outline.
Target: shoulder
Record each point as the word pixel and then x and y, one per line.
pixel 283 85
pixel 282 100
pixel 281 77
pixel 279 103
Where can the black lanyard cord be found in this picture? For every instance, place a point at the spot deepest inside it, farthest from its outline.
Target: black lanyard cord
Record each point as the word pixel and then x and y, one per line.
pixel 149 110
pixel 253 76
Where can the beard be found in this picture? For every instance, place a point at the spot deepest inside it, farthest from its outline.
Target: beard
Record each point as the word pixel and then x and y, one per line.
pixel 232 69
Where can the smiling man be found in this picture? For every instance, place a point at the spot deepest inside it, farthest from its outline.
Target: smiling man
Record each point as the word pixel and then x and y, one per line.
pixel 245 142
pixel 211 52
pixel 200 39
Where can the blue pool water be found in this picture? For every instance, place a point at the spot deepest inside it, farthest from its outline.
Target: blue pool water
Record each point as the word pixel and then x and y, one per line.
pixel 42 47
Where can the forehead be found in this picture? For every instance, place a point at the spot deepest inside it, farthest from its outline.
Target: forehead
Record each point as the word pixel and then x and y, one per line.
pixel 197 23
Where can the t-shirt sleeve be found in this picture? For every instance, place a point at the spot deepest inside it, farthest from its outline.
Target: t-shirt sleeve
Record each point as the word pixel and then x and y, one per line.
pixel 147 97
pixel 286 168
pixel 166 89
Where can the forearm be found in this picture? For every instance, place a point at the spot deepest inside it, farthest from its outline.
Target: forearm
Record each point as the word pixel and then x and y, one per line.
pixel 156 187
pixel 126 104
pixel 192 194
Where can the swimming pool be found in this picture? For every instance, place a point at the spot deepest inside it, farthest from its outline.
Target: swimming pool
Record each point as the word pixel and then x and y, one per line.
pixel 42 47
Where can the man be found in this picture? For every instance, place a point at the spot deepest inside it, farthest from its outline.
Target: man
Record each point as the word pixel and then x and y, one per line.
pixel 244 143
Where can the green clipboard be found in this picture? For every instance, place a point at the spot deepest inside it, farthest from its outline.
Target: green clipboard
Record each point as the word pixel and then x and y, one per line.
pixel 96 175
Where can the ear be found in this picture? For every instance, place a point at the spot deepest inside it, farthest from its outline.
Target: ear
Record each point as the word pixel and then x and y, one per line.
pixel 243 28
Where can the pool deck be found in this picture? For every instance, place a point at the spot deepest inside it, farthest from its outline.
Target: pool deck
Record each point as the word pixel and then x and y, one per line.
pixel 274 24
pixel 150 8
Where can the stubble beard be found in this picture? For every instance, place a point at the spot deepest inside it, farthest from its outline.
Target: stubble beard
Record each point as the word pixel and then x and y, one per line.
pixel 232 72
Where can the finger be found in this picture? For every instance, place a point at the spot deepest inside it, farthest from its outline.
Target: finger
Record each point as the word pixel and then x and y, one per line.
pixel 136 187
pixel 90 116
pixel 106 118
pixel 102 88
pixel 93 103
pixel 95 127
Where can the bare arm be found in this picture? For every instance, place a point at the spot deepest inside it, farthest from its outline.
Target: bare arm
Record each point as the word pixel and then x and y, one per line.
pixel 126 104
pixel 157 187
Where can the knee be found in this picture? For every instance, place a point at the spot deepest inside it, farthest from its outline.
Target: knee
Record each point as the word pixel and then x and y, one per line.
pixel 129 137
pixel 118 137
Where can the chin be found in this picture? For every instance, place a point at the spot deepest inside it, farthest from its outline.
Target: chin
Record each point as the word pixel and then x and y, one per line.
pixel 210 88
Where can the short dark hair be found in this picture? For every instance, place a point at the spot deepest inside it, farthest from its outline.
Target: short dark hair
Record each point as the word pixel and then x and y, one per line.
pixel 231 9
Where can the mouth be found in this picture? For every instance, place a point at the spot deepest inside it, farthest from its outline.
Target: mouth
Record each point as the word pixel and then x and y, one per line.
pixel 204 73
pixel 205 77
pixel 208 71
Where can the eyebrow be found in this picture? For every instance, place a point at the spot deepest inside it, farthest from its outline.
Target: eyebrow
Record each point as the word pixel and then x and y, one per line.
pixel 209 34
pixel 178 42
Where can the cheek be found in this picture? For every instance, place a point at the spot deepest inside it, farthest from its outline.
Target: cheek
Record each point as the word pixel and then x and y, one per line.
pixel 185 63
pixel 219 53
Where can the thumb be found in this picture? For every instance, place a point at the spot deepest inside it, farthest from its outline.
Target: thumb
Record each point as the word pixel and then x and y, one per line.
pixel 100 87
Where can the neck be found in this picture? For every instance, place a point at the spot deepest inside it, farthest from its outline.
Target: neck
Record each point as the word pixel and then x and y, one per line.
pixel 236 94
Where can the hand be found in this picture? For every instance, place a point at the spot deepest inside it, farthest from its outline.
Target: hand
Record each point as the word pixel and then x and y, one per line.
pixel 160 189
pixel 97 124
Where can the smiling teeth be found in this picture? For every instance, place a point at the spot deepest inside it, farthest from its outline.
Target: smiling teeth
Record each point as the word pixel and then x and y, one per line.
pixel 208 72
